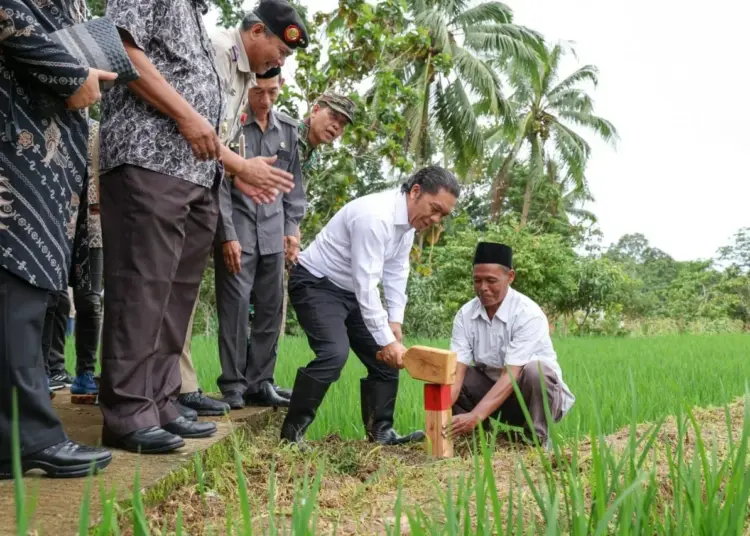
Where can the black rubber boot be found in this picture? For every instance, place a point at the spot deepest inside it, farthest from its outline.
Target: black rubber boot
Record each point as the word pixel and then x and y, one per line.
pixel 378 405
pixel 307 395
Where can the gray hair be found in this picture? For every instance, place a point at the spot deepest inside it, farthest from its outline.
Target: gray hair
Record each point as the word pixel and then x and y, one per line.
pixel 251 19
pixel 431 180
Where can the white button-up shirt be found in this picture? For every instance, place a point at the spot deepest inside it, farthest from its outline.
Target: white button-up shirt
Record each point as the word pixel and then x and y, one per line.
pixel 516 335
pixel 366 242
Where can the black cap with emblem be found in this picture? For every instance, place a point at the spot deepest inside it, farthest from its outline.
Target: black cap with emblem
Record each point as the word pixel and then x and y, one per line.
pixel 282 19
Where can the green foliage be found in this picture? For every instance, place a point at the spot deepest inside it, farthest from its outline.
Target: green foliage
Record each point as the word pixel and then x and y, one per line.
pixel 544 272
pixel 738 252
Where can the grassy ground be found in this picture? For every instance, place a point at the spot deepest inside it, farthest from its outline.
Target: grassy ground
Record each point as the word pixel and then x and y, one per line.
pixel 687 475
pixel 667 373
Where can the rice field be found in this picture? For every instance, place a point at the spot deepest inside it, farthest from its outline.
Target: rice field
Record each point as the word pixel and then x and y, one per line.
pixel 657 443
pixel 666 373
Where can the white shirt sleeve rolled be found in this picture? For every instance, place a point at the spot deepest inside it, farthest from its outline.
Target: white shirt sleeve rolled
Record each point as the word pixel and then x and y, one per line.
pixel 395 277
pixel 524 340
pixel 460 342
pixel 369 237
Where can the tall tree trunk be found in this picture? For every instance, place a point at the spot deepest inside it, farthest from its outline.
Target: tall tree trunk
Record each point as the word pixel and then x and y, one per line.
pixel 501 182
pixel 526 203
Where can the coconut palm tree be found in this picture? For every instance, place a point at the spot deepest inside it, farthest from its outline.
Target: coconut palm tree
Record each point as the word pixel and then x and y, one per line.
pixel 547 112
pixel 454 82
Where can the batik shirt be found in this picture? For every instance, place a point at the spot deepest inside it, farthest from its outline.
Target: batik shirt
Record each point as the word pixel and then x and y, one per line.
pixel 43 157
pixel 172 35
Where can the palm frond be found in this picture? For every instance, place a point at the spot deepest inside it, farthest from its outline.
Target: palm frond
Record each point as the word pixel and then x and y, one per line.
pixel 435 23
pixel 455 116
pixel 601 126
pixel 571 99
pixel 479 76
pixel 587 73
pixel 507 40
pixel 483 13
pixel 574 151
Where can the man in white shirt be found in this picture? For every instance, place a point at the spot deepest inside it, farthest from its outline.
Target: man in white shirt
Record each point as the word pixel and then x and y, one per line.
pixel 334 291
pixel 501 333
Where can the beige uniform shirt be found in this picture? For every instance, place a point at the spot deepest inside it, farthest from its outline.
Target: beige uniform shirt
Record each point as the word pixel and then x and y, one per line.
pixel 233 67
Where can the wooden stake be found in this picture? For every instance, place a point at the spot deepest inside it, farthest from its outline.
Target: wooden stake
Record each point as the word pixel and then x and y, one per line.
pixel 437 406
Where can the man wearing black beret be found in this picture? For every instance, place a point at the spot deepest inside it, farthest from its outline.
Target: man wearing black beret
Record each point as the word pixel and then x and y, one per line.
pixel 267 36
pixel 501 333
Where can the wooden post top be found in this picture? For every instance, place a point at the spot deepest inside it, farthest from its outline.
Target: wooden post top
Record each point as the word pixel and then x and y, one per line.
pixel 432 365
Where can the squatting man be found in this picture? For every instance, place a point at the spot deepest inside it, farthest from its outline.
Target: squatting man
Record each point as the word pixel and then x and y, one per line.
pixel 499 334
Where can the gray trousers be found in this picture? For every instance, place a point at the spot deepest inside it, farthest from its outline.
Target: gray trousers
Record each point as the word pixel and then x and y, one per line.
pixel 158 230
pixel 22 311
pixel 531 384
pixel 243 369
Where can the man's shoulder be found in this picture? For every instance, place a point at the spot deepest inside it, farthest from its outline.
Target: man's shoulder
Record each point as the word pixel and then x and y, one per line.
pixel 468 308
pixel 222 37
pixel 288 120
pixel 526 306
pixel 370 206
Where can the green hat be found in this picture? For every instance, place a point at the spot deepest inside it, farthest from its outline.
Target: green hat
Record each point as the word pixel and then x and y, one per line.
pixel 283 20
pixel 339 103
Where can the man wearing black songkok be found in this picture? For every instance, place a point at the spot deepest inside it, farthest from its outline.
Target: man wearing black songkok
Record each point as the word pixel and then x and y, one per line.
pixel 501 333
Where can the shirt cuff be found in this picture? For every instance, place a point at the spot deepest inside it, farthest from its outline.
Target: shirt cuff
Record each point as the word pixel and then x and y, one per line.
pixel 291 229
pixel 396 314
pixel 466 359
pixel 384 337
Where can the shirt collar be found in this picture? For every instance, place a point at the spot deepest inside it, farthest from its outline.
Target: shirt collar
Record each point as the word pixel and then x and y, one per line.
pixel 502 314
pixel 273 121
pixel 243 63
pixel 401 216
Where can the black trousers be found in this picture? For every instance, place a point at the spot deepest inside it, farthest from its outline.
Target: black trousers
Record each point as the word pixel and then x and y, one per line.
pixel 158 232
pixel 88 324
pixel 22 311
pixel 332 320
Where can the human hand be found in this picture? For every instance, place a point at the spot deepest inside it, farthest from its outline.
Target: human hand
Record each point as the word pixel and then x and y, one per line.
pixel 396 329
pixel 90 92
pixel 291 248
pixel 393 355
pixel 232 254
pixel 460 425
pixel 259 172
pixel 258 196
pixel 201 136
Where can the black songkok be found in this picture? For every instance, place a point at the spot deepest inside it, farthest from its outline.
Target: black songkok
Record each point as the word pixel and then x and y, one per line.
pixel 494 253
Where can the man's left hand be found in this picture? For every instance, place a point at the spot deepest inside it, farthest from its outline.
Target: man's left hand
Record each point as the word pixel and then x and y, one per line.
pixel 291 248
pixel 396 329
pixel 461 424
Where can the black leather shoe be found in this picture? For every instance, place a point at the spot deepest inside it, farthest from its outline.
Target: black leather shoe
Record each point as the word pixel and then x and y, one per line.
pixel 151 440
pixel 266 396
pixel 307 395
pixel 64 460
pixel 281 391
pixel 203 405
pixel 378 402
pixel 189 414
pixel 234 399
pixel 190 430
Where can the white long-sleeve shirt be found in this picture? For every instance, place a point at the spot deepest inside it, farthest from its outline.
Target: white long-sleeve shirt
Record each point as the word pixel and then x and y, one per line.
pixel 515 336
pixel 366 242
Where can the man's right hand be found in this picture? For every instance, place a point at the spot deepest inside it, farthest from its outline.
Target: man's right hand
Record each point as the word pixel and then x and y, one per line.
pixel 201 136
pixel 89 93
pixel 259 172
pixel 393 355
pixel 232 255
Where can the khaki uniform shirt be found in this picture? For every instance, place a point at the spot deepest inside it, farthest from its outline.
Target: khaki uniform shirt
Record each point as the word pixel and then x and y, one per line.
pixel 233 66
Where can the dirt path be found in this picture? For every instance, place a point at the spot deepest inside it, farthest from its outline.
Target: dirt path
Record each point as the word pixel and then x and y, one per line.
pixel 58 502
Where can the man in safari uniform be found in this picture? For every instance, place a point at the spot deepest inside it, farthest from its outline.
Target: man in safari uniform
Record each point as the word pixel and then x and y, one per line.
pixel 272 30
